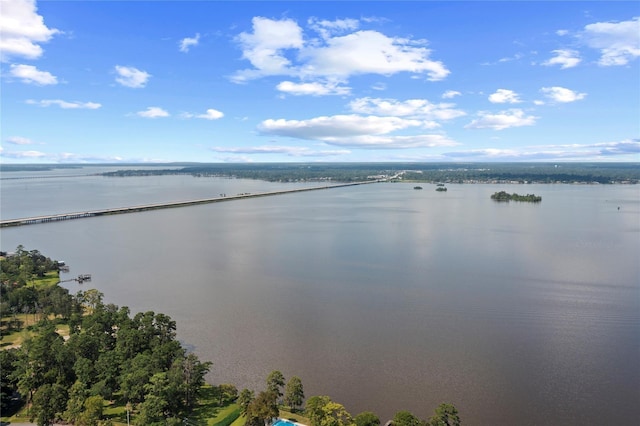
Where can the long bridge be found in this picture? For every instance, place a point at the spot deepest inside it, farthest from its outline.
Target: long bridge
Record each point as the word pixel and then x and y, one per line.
pixel 157 206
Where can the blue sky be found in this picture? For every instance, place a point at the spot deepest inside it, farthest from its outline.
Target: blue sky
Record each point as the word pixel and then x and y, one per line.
pixel 303 81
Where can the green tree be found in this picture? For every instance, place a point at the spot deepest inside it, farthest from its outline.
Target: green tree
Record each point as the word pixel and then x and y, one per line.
pixel 405 418
pixel 227 393
pixel 8 382
pixel 367 418
pixel 190 372
pixel 75 405
pixel 445 415
pixel 275 381
pixel 135 375
pixel 93 409
pixel 322 411
pixel 263 409
pixel 244 399
pixel 294 393
pixel 49 402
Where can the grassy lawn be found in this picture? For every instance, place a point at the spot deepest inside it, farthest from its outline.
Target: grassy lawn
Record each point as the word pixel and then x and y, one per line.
pixel 208 412
pixel 50 279
pixel 15 337
pixel 294 417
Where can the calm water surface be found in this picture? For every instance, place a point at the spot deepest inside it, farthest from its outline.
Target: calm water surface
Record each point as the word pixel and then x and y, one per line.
pixel 383 297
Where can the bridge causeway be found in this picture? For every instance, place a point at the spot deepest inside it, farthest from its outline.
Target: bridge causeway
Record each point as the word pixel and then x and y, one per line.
pixel 135 209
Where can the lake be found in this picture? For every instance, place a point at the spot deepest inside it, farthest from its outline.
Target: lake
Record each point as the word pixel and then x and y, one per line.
pixel 381 296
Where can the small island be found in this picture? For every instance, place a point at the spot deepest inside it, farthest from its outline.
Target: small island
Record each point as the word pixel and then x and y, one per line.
pixel 505 196
pixel 417 187
pixel 441 189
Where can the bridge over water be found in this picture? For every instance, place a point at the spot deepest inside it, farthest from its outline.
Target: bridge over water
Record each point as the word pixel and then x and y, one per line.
pixel 147 207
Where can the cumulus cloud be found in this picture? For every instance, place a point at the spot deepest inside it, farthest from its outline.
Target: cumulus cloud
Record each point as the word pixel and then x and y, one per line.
pixel 618 42
pixel 265 46
pixel 153 112
pixel 355 131
pixel 451 94
pixel 502 120
pixel 31 75
pixel 22 30
pixel 561 94
pixel 278 47
pixel 315 88
pixel 18 140
pixel 293 151
pixel 187 42
pixel 566 58
pixel 413 108
pixel 131 77
pixel 64 104
pixel 371 52
pixel 337 126
pixel 504 96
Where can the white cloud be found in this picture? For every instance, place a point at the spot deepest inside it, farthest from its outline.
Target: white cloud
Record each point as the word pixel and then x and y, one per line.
pixel 153 112
pixel 22 29
pixel 561 94
pixel 584 152
pixel 19 140
pixel 22 154
pixel 504 96
pixel 371 52
pixel 618 42
pixel 413 108
pixel 337 126
pixel 264 47
pixel 450 94
pixel 187 42
pixel 131 77
pixel 278 47
pixel 64 104
pixel 31 75
pixel 293 151
pixel 566 58
pixel 355 131
pixel 502 120
pixel 562 32
pixel 314 88
pixel 211 114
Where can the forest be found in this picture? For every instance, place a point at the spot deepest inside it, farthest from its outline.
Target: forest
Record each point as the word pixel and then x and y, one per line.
pixel 585 173
pixel 75 359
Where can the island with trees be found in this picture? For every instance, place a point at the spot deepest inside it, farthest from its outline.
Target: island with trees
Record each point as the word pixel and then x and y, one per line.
pixel 505 196
pixel 77 360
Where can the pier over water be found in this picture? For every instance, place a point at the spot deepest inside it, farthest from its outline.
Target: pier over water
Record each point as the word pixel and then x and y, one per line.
pixel 157 206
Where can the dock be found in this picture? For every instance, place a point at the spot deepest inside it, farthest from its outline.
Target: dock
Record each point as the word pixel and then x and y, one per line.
pixel 158 206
